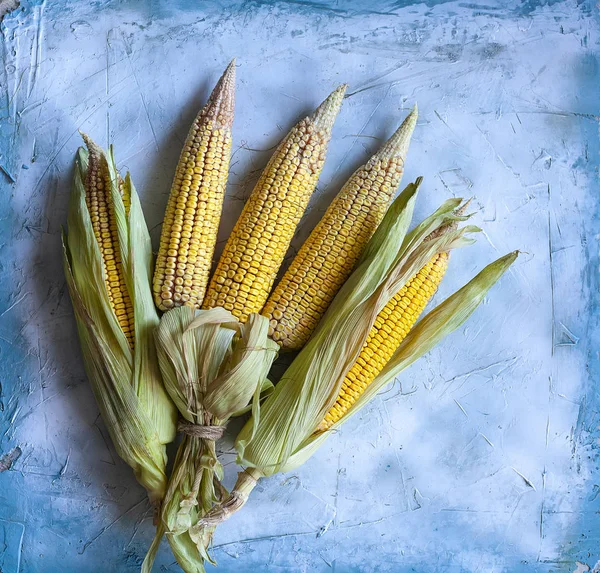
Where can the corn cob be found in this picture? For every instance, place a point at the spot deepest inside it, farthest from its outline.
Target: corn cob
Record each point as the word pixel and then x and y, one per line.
pixel 100 206
pixel 189 231
pixel 256 248
pixel 328 256
pixel 389 330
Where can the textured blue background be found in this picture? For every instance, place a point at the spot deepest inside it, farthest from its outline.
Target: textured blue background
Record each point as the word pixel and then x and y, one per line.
pixel 485 456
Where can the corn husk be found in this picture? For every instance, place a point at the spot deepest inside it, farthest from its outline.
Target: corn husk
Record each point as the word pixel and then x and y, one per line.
pixel 138 413
pixel 213 367
pixel 283 436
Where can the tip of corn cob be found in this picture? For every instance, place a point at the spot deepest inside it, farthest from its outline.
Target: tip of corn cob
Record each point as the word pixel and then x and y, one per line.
pixel 324 116
pixel 397 145
pixel 92 146
pixel 221 104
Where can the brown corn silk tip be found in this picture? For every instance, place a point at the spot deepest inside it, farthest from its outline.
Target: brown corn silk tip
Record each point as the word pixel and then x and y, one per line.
pixel 101 209
pixel 257 245
pixel 191 222
pixel 328 256
pixel 452 225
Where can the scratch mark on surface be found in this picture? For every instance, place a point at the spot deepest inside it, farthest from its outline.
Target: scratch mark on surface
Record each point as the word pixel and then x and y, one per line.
pixel 68 137
pixel 526 480
pixel 550 257
pixel 63 470
pixel 291 96
pixel 19 300
pixel 542 513
pixel 267 538
pixel 36 52
pixel 106 528
pixel 7 173
pixel 497 155
pixel 373 86
pixel 139 87
pixel 591 116
pixel 486 439
pixel 20 544
pixel 487 238
pixel 363 523
pixel 136 526
pixel 448 383
pixel 369 83
pixel 108 46
pixel 337 489
pixel 461 408
pixel 112 462
pixel 362 129
pixel 571 339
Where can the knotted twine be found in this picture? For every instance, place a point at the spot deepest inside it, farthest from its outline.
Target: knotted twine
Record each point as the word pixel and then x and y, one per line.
pixel 213 433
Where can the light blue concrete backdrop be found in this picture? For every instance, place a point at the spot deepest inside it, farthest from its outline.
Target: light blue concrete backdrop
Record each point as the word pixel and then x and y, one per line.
pixel 484 457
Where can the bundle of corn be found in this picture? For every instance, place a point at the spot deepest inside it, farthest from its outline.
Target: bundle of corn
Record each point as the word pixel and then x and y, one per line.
pixel 262 235
pixel 203 361
pixel 351 300
pixel 108 265
pixel 364 341
pixel 330 253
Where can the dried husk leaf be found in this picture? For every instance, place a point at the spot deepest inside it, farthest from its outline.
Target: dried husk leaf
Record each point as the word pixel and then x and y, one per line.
pixel 425 335
pixel 213 366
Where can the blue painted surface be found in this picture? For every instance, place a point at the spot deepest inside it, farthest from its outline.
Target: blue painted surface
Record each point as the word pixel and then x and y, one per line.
pixel 486 457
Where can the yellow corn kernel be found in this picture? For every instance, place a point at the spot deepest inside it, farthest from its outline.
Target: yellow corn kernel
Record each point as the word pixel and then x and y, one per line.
pixel 100 206
pixel 337 242
pixel 400 315
pixel 191 222
pixel 268 221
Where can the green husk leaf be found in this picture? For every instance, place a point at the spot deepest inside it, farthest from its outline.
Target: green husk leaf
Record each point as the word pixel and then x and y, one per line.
pixel 425 335
pixel 130 428
pixel 266 389
pixel 137 412
pixel 247 369
pixel 138 276
pixel 312 382
pixel 191 353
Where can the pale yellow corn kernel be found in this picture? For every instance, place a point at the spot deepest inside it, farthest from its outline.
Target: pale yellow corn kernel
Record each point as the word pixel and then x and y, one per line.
pixel 191 222
pixel 327 257
pixel 268 221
